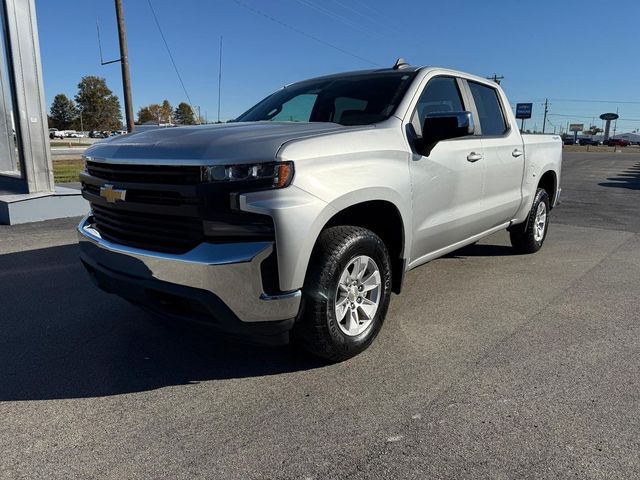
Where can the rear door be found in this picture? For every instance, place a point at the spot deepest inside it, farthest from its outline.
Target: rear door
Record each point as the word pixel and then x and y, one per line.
pixel 447 185
pixel 503 154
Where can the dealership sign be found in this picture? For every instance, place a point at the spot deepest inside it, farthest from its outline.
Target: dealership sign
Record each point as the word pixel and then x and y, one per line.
pixel 609 116
pixel 576 127
pixel 523 110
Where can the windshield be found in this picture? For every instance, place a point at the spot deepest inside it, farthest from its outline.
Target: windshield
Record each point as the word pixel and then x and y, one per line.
pixel 349 100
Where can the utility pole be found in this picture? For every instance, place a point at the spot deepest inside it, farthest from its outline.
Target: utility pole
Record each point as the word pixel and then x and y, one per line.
pixel 219 78
pixel 546 109
pixel 496 78
pixel 124 63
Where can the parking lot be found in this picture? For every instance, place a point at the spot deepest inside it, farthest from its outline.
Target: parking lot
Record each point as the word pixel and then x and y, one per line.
pixel 490 365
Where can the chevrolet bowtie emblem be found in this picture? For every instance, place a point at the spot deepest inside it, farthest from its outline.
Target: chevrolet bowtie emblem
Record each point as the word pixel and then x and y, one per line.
pixel 112 195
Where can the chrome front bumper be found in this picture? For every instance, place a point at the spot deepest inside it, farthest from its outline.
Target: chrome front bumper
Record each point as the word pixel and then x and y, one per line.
pixel 230 271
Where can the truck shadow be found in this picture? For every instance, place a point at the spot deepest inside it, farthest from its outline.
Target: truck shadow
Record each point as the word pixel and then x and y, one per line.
pixel 61 337
pixel 629 179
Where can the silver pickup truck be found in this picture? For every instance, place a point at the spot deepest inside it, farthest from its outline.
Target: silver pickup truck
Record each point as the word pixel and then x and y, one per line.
pixel 299 219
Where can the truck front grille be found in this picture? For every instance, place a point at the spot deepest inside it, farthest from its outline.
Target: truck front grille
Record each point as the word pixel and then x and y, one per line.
pixel 148 231
pixel 167 208
pixel 159 174
pixel 151 197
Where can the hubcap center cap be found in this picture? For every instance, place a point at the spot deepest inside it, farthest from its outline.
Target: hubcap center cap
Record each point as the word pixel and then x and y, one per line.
pixel 353 293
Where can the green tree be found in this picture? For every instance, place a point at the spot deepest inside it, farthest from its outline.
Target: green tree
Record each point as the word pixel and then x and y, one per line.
pixel 63 112
pixel 184 114
pixel 166 112
pixel 99 106
pixel 592 130
pixel 156 113
pixel 150 113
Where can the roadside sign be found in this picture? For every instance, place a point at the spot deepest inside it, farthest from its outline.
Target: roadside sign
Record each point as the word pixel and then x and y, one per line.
pixel 576 127
pixel 523 110
pixel 609 116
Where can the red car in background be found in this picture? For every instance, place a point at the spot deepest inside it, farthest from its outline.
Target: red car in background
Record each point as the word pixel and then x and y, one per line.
pixel 616 142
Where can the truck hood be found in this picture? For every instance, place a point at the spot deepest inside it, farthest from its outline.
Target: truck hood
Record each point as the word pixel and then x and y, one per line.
pixel 209 144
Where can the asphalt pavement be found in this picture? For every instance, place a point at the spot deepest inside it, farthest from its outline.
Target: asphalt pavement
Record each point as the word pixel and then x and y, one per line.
pixel 490 365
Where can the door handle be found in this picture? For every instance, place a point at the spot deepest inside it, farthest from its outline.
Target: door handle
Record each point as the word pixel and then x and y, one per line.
pixel 474 157
pixel 517 153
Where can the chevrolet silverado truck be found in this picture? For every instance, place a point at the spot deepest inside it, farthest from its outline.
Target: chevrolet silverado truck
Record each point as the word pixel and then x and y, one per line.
pixel 296 221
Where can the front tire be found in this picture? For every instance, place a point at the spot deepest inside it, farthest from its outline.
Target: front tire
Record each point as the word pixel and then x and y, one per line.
pixel 529 236
pixel 346 294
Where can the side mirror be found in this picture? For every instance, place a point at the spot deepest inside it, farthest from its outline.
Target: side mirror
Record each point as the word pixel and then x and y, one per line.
pixel 443 126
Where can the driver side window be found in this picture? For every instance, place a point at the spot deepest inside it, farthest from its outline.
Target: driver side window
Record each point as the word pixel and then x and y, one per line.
pixel 440 95
pixel 298 109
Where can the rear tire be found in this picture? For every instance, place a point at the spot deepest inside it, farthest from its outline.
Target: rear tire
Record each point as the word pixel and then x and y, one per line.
pixel 346 294
pixel 529 236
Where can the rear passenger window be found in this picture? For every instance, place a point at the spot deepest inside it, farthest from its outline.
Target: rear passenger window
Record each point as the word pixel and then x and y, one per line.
pixel 491 117
pixel 440 95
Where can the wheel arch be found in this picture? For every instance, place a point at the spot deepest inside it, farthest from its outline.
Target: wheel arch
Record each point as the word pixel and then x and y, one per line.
pixel 384 219
pixel 549 181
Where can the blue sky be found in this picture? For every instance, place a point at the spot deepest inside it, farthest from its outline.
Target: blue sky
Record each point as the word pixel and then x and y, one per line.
pixel 545 49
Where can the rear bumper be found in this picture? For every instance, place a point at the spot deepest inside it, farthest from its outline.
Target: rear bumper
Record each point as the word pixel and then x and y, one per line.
pixel 222 280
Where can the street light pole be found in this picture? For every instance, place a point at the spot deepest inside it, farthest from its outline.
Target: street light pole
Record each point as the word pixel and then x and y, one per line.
pixel 124 63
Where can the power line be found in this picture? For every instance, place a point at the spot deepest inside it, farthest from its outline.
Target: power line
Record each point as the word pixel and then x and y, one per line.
pixel 175 67
pixel 303 33
pixel 384 24
pixel 569 116
pixel 563 100
pixel 594 101
pixel 336 16
pixel 591 117
pixel 365 5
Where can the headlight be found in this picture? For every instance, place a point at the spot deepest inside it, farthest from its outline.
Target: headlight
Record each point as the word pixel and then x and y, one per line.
pixel 268 175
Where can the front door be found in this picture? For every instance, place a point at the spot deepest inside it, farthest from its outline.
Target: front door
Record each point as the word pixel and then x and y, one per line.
pixel 447 184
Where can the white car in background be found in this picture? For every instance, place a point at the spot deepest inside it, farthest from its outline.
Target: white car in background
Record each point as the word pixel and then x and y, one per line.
pixel 55 133
pixel 74 134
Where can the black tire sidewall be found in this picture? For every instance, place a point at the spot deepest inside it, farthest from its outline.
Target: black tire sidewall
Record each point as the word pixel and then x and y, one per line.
pixel 364 245
pixel 318 327
pixel 541 197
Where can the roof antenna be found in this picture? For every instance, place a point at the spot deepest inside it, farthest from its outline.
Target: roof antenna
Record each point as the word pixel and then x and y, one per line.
pixel 400 64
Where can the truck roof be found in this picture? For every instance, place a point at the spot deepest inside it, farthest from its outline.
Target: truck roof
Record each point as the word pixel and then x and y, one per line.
pixel 356 73
pixel 404 68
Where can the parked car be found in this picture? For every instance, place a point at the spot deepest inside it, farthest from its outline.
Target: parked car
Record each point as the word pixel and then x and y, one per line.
pixel 96 134
pixel 76 135
pixel 297 221
pixel 568 141
pixel 588 141
pixel 56 134
pixel 616 142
